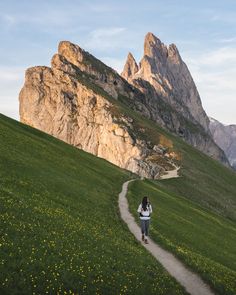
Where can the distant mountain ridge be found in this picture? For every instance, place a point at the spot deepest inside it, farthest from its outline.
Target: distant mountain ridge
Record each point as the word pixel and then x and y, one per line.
pixel 225 138
pixel 78 98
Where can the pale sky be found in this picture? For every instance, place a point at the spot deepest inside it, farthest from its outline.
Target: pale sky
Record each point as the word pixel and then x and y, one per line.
pixel 204 32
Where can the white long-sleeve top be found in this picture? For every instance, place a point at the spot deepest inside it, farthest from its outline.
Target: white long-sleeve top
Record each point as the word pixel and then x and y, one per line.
pixel 145 215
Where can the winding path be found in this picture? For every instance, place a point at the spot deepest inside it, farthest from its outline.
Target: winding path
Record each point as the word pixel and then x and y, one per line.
pixel 190 281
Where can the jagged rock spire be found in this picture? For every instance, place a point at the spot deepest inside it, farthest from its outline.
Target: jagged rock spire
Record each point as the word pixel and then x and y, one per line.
pixel 163 67
pixel 130 68
pixel 153 46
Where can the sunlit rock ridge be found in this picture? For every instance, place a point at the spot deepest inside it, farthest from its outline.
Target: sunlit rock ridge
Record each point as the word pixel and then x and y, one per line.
pixel 76 100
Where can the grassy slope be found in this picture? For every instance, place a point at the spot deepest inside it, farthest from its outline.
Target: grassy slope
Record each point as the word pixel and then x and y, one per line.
pixel 203 180
pixel 197 212
pixel 206 181
pixel 60 225
pixel 204 240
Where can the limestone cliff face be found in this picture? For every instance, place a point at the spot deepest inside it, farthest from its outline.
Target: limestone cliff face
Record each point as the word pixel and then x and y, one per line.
pixel 225 137
pixel 59 101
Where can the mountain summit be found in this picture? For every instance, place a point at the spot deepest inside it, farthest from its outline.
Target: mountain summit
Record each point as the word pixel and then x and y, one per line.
pixel 163 67
pixel 130 68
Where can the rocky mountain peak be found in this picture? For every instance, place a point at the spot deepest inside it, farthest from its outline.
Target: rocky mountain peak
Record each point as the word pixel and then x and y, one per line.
pixel 173 54
pixel 153 47
pixel 163 68
pixel 130 68
pixel 73 53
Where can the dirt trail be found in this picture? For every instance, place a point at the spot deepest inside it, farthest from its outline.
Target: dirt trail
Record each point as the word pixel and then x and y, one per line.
pixel 171 173
pixel 189 280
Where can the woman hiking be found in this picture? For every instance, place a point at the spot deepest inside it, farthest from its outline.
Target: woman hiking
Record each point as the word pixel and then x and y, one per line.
pixel 145 210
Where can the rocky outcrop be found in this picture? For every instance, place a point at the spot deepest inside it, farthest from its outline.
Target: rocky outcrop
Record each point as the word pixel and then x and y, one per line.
pixel 61 101
pixel 130 68
pixel 225 137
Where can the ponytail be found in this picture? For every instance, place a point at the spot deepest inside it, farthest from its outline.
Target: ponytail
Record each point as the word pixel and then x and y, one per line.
pixel 145 203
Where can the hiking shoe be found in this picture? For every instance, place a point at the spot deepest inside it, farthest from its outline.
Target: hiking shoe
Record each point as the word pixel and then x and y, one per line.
pixel 142 237
pixel 146 241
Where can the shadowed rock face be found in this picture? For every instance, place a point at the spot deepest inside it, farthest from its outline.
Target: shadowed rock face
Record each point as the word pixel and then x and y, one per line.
pixel 225 137
pixel 74 100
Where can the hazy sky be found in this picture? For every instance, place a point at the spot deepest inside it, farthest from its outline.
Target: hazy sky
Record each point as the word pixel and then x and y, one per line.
pixel 204 32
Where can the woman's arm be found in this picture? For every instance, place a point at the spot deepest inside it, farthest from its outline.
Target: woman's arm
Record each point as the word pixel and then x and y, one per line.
pixel 139 208
pixel 150 208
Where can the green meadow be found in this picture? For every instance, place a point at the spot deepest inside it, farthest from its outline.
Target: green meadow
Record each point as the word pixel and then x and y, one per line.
pixel 203 179
pixel 61 231
pixel 203 240
pixel 196 213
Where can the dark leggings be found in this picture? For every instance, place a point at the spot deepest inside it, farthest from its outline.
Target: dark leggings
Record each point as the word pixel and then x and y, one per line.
pixel 145 227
